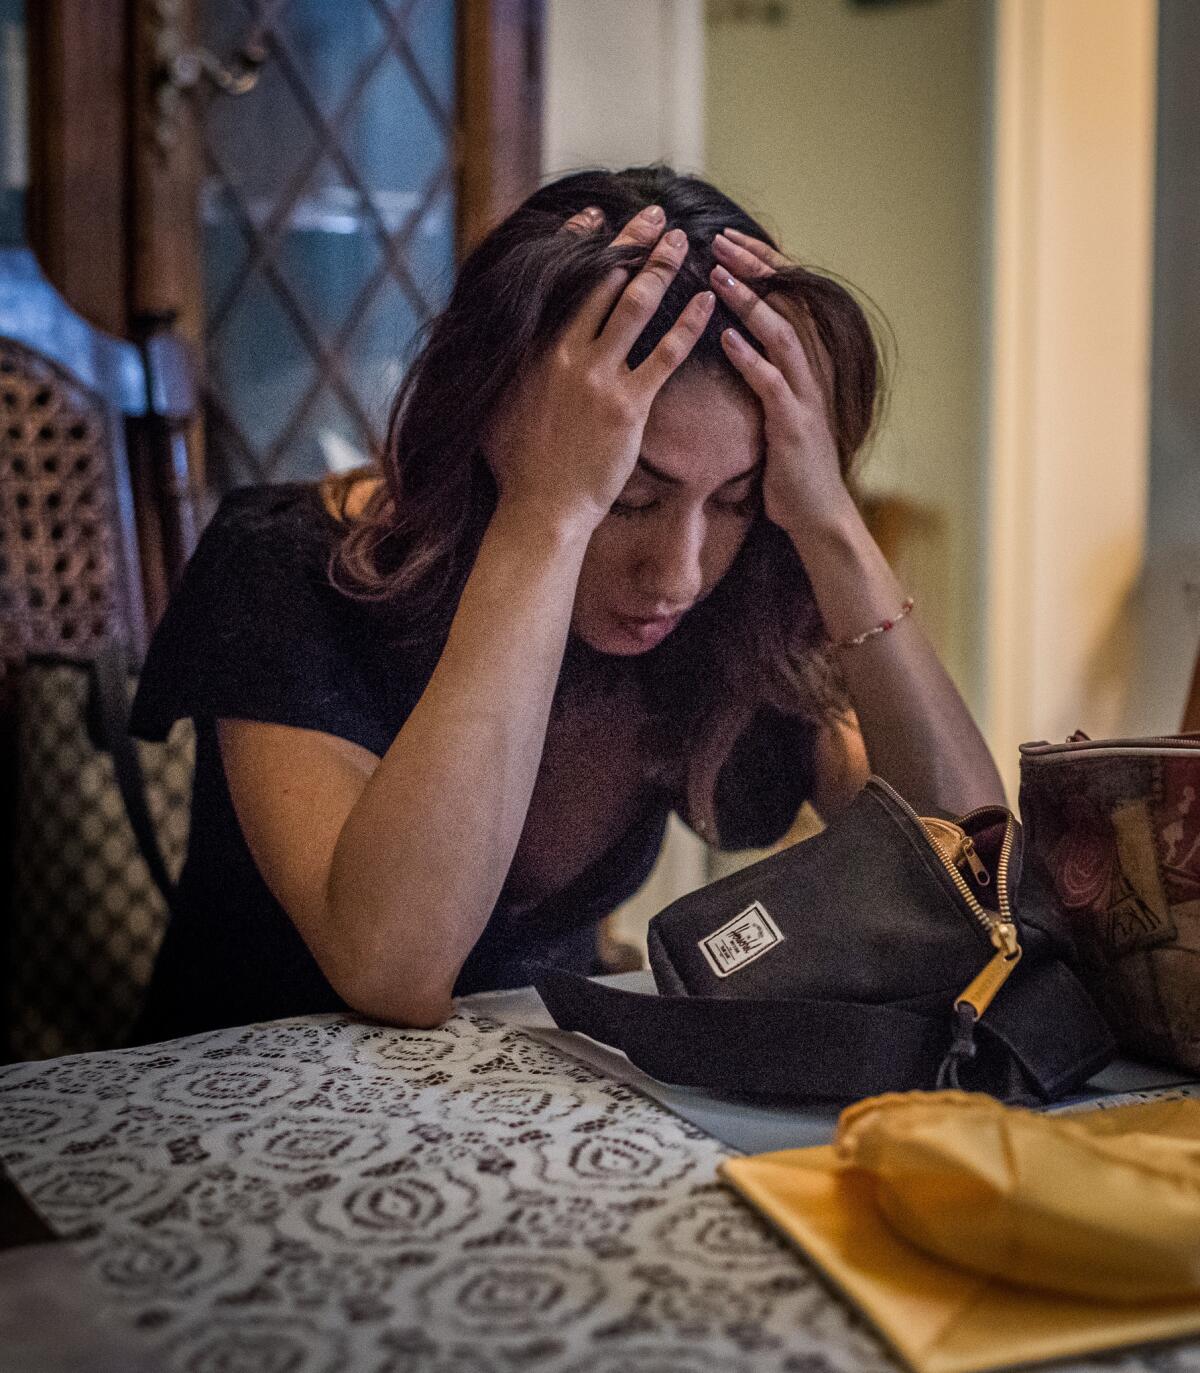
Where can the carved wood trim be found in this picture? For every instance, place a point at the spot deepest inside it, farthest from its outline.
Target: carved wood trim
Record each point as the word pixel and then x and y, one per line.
pixel 499 111
pixel 78 213
pixel 165 275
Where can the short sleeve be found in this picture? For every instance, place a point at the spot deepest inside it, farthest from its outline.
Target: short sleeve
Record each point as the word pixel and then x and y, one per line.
pixel 255 630
pixel 766 778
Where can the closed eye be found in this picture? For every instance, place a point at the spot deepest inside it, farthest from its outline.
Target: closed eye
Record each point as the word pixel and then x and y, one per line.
pixel 747 505
pixel 739 505
pixel 738 497
pixel 744 503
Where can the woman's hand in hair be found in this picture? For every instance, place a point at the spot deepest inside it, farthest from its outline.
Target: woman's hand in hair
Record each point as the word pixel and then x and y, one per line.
pixel 568 433
pixel 802 483
pixel 915 728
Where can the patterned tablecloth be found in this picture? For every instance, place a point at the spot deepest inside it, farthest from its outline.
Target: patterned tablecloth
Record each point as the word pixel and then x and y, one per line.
pixel 317 1195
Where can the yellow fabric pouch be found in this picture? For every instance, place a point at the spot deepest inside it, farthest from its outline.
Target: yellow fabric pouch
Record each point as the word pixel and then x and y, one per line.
pixel 976 1235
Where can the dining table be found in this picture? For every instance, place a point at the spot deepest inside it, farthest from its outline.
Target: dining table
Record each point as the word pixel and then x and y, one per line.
pixel 325 1193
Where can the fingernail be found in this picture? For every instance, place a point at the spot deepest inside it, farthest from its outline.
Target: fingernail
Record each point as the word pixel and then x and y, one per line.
pixel 732 339
pixel 654 213
pixel 723 278
pixel 707 299
pixel 593 214
pixel 676 239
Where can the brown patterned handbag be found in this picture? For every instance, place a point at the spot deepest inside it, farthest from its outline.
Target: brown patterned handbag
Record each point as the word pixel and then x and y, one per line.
pixel 1112 829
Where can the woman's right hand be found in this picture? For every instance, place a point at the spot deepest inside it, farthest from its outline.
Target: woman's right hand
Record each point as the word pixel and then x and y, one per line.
pixel 568 433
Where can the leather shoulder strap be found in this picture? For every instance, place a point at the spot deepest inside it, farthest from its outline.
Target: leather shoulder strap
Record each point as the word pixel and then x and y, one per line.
pixel 110 708
pixel 826 1049
pixel 1043 1024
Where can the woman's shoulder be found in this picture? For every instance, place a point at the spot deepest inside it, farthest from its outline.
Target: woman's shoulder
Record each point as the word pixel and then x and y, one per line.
pixel 262 562
pixel 257 629
pixel 289 518
pixel 272 547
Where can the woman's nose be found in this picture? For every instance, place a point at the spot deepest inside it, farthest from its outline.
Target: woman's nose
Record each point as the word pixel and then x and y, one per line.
pixel 671 569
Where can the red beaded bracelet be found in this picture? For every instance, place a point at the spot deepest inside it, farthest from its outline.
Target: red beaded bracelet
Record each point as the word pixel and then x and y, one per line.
pixel 881 628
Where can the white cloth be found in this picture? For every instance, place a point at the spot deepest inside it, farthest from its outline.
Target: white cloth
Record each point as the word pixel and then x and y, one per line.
pixel 322 1195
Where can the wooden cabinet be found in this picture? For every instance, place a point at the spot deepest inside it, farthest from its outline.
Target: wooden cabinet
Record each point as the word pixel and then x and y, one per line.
pixel 291 183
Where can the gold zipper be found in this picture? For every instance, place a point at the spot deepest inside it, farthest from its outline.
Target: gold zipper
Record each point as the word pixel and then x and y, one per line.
pixel 968 855
pixel 958 846
pixel 1001 929
pixel 953 845
pixel 982 989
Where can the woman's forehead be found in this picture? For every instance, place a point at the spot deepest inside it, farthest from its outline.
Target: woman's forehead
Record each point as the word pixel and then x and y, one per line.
pixel 703 429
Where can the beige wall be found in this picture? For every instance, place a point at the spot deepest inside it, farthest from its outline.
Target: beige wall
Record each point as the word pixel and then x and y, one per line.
pixel 624 83
pixel 861 137
pixel 1068 470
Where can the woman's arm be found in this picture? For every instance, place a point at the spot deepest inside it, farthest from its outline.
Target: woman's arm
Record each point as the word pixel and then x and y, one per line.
pixel 390 871
pixel 918 733
pixel 917 730
pixel 390 867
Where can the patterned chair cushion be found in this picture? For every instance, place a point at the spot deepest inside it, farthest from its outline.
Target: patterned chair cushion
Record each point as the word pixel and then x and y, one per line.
pixel 86 916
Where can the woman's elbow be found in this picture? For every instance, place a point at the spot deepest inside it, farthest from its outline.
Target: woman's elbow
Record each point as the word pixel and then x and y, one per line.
pixel 407 1008
pixel 375 986
pixel 377 978
pixel 415 1016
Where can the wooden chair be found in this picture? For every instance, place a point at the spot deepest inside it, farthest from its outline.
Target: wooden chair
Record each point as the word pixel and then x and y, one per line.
pixel 70 570
pixel 73 401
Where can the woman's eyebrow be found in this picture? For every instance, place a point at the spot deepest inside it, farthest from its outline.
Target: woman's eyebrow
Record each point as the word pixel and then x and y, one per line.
pixel 666 477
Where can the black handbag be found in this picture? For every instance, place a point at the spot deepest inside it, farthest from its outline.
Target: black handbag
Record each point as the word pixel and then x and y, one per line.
pixel 886 953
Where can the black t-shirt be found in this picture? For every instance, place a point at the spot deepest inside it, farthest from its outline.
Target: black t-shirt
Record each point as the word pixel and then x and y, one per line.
pixel 256 631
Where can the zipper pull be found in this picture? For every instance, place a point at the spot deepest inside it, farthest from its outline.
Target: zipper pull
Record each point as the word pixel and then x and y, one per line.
pixel 957 846
pixel 981 992
pixel 966 854
pixel 970 1005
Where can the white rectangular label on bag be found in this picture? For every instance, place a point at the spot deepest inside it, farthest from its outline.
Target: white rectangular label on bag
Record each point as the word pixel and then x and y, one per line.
pixel 741 940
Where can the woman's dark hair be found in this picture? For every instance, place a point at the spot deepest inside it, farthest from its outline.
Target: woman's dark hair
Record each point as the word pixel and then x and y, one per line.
pixel 757 639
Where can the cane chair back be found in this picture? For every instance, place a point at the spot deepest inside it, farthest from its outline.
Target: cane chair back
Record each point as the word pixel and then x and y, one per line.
pixel 70 576
pixel 71 399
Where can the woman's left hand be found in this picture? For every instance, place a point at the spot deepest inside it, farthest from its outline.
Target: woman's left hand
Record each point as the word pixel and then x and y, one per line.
pixel 916 730
pixel 802 485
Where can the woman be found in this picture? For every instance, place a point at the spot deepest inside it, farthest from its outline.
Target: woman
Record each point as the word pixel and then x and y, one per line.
pixel 612 567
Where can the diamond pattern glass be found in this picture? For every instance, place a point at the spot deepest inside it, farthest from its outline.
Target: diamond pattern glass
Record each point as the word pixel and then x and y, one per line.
pixel 328 225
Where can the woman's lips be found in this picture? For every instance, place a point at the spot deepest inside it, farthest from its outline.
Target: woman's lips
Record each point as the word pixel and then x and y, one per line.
pixel 647 630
